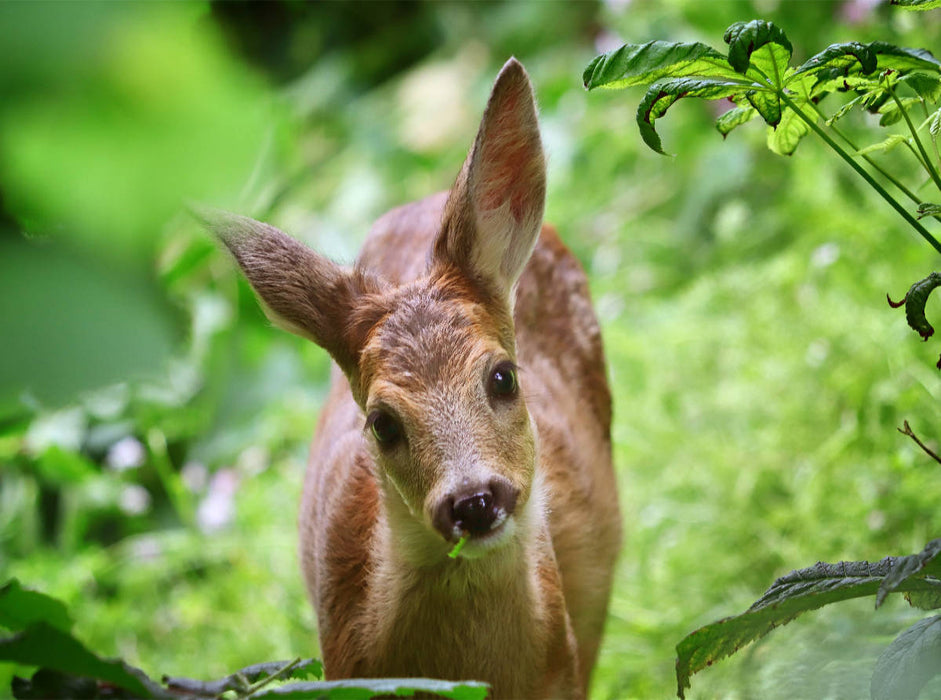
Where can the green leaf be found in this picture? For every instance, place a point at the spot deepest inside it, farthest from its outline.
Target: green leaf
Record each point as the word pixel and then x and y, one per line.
pixel 928 209
pixel 767 104
pixel 62 466
pixel 903 59
pixel 284 670
pixel 642 64
pixel 661 95
pixel 760 44
pixel 841 58
pixel 904 568
pixel 789 597
pixel 916 4
pixel 906 666
pixel 783 138
pixel 892 113
pixel 733 118
pixel 885 146
pixel 363 689
pixel 43 645
pixel 925 85
pixel 20 608
pixel 934 122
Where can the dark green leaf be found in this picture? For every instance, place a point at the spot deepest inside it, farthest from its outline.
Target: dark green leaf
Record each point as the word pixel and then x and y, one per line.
pixel 789 597
pixel 733 118
pixel 767 104
pixel 905 567
pixel 46 683
pixel 913 659
pixel 661 95
pixel 783 138
pixel 925 85
pixel 20 608
pixel 642 64
pixel 916 4
pixel 45 646
pixel 841 58
pixel 903 59
pixel 747 38
pixel 363 689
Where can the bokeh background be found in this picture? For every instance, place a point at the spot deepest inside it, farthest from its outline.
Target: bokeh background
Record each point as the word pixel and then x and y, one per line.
pixel 153 426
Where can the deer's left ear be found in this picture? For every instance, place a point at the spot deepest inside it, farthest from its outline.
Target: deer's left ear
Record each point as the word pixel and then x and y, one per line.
pixel 494 211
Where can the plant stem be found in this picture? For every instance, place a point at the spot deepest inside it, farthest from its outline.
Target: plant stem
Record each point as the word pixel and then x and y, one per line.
pixel 929 166
pixel 923 232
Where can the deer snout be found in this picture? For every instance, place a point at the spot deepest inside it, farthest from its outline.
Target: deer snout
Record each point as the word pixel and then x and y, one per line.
pixel 476 509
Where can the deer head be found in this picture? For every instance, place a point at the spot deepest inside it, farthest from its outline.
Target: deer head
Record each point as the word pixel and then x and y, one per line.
pixel 431 362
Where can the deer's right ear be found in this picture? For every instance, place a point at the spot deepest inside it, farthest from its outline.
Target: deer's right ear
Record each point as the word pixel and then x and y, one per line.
pixel 300 290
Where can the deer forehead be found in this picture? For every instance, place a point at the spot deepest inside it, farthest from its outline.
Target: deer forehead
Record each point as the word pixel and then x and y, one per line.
pixel 432 339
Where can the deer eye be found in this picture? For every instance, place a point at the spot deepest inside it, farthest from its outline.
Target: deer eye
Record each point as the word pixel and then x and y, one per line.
pixel 503 382
pixel 385 428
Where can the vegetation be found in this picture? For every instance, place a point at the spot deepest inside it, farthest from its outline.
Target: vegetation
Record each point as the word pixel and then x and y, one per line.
pixel 153 426
pixel 756 78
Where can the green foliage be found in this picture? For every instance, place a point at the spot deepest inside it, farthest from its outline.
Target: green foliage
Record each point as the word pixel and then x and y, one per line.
pixel 66 666
pixel 823 584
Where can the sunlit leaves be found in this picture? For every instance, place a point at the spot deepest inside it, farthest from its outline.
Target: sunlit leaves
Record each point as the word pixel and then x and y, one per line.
pixel 642 64
pixel 758 56
pixel 916 4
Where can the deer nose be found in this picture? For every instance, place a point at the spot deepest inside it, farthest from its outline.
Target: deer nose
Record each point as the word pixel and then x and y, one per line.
pixel 476 510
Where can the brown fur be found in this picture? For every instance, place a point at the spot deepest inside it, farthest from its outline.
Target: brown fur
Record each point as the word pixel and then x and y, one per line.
pixel 446 289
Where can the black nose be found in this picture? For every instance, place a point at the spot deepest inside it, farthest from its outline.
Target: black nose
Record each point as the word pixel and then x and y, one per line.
pixel 476 510
pixel 475 514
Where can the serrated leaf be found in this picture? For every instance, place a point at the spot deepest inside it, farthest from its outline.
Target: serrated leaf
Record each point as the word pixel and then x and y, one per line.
pixel 642 64
pixel 20 608
pixel 661 95
pixel 892 113
pixel 783 138
pixel 363 689
pixel 916 4
pixel 45 646
pixel 933 123
pixel 885 146
pixel 904 568
pixel 767 104
pixel 733 118
pixel 844 110
pixel 925 85
pixel 906 666
pixel 903 59
pixel 841 58
pixel 761 44
pixel 788 597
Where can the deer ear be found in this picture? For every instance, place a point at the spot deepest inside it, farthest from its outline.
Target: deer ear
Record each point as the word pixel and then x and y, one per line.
pixel 300 290
pixel 494 211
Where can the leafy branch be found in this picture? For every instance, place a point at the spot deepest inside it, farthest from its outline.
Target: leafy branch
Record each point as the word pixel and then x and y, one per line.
pixel 756 77
pixel 67 668
pixel 918 576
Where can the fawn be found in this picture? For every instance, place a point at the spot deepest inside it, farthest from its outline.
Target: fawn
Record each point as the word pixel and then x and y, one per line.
pixel 469 399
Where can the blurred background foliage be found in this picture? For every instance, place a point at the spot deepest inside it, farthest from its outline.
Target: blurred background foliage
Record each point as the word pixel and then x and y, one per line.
pixel 153 427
